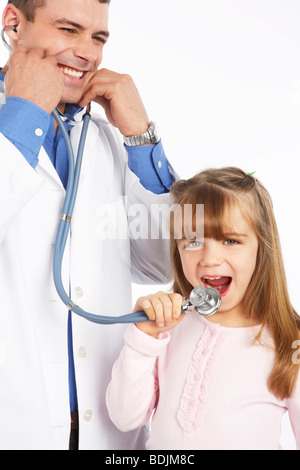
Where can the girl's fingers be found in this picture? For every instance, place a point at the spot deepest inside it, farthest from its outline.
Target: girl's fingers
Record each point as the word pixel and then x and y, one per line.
pixel 155 310
pixel 161 307
pixel 177 301
pixel 143 303
pixel 165 317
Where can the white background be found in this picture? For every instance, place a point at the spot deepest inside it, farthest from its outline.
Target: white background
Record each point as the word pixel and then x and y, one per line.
pixel 222 80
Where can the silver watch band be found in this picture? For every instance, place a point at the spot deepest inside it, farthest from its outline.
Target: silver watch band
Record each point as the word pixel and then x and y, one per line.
pixel 151 136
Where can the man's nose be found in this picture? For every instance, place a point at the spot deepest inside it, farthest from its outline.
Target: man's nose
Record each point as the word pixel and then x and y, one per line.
pixel 86 50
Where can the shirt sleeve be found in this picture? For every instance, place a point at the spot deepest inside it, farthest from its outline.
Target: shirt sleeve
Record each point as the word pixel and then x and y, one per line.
pixel 25 125
pixel 133 391
pixel 150 165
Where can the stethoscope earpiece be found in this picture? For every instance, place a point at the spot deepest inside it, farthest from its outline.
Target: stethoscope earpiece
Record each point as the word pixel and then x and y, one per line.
pixel 14 28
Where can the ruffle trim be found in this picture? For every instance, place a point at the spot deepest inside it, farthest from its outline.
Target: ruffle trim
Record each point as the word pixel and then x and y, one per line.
pixel 191 411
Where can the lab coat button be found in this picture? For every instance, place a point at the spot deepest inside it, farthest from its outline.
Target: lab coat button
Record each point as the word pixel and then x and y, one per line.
pixel 38 132
pixel 82 352
pixel 159 164
pixel 78 292
pixel 87 415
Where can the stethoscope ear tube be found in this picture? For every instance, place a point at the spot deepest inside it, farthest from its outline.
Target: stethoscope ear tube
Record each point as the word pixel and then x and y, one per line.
pixel 4 39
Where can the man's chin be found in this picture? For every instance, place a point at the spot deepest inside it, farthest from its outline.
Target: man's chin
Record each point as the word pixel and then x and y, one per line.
pixel 70 98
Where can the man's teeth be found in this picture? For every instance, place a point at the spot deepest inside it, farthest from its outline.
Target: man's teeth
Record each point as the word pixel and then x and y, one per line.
pixel 72 73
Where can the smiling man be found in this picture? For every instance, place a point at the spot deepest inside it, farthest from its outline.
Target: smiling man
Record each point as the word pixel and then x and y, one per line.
pixel 60 51
pixel 55 365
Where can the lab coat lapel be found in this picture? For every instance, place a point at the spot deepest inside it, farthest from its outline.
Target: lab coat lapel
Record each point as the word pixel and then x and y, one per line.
pixel 47 170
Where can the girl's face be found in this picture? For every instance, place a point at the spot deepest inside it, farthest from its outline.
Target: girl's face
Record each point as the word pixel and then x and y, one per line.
pixel 226 264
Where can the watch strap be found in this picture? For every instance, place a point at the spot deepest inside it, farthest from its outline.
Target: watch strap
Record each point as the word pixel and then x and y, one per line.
pixel 151 136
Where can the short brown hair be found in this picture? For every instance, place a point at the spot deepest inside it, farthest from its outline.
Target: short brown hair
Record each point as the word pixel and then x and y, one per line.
pixel 28 7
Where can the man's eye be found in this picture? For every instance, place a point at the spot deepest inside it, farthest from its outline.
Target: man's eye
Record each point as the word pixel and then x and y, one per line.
pixel 68 30
pixel 99 39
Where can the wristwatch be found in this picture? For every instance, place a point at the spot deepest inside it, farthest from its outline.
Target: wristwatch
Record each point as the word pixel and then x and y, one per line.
pixel 151 136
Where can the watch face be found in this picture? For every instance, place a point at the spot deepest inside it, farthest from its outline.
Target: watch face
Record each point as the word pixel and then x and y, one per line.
pixel 153 134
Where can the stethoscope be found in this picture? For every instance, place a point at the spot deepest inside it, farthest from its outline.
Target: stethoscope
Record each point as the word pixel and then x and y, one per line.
pixel 206 301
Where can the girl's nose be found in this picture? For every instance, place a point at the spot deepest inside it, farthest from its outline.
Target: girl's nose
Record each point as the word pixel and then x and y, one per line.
pixel 210 254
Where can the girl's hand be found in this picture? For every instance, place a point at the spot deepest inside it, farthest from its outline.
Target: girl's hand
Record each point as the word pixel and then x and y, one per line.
pixel 163 309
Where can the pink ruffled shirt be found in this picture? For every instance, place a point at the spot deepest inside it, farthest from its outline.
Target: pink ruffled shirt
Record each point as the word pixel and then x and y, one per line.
pixel 207 387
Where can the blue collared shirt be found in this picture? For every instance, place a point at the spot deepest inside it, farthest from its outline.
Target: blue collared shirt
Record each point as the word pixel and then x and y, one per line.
pixel 20 119
pixel 29 128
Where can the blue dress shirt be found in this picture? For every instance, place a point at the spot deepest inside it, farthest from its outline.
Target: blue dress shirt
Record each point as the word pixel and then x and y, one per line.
pixel 19 120
pixel 29 128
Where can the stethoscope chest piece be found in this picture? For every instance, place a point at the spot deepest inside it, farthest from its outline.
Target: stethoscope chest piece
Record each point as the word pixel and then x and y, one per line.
pixel 205 300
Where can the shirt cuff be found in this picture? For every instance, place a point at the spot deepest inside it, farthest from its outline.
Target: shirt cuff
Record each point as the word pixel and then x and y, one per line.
pixel 25 125
pixel 149 163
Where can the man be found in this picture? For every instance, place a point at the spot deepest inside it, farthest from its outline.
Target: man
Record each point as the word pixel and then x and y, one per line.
pixel 52 363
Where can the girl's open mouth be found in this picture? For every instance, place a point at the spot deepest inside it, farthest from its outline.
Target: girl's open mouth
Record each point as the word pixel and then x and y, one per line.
pixel 220 283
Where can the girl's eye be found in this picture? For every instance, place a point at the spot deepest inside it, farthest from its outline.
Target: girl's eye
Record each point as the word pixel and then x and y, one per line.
pixel 195 244
pixel 231 242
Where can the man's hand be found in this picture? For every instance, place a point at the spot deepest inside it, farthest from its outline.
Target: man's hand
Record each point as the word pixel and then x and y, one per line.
pixel 163 309
pixel 34 77
pixel 118 95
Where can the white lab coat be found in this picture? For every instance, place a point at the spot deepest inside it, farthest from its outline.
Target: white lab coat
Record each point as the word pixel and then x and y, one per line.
pixel 34 393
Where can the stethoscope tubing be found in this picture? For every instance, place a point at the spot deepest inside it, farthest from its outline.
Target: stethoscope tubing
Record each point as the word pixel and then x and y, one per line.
pixel 64 228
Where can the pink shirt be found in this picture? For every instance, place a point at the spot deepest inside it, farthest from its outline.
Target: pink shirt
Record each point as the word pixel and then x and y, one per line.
pixel 207 386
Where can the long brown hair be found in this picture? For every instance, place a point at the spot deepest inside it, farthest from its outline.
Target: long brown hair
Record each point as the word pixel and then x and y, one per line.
pixel 266 300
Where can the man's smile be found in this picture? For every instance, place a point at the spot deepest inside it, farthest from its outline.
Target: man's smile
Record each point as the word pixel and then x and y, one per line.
pixel 72 72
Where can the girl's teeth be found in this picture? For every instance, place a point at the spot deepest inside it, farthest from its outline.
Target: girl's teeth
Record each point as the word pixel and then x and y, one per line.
pixel 212 278
pixel 221 283
pixel 72 73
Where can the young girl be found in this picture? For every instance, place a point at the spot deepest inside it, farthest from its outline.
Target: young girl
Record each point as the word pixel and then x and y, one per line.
pixel 225 381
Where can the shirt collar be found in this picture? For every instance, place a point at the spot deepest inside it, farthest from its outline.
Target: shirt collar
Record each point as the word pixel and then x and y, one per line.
pixel 73 112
